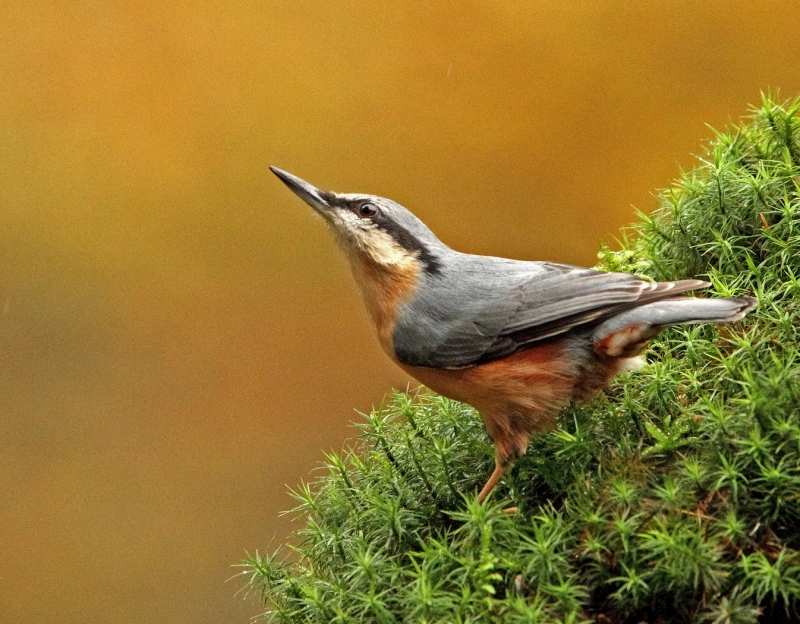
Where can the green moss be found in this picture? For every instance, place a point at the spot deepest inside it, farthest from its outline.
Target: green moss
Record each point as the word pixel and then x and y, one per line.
pixel 673 497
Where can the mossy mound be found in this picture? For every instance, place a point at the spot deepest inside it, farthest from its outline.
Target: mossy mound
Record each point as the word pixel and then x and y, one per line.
pixel 673 497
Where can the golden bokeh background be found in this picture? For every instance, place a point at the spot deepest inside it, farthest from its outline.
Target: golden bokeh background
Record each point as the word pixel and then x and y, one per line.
pixel 179 338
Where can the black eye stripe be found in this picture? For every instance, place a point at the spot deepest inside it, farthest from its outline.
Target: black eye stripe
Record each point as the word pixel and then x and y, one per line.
pixel 408 241
pixel 401 235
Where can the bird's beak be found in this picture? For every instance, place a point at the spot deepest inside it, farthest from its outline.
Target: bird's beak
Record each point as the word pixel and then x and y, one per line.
pixel 305 191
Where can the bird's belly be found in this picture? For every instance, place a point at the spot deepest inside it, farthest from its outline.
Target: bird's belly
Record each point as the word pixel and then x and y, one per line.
pixel 540 379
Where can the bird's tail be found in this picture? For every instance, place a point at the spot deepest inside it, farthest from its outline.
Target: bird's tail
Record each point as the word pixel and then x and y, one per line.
pixel 616 335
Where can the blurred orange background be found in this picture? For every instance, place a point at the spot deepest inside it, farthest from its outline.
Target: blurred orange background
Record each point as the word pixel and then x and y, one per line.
pixel 179 337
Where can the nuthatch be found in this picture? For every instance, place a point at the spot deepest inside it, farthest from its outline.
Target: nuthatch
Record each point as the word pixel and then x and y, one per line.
pixel 516 340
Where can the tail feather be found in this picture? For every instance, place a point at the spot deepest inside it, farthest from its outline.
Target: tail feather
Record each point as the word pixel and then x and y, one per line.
pixel 642 323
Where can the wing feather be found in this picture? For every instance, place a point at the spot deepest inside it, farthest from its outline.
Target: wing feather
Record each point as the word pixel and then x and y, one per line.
pixel 487 308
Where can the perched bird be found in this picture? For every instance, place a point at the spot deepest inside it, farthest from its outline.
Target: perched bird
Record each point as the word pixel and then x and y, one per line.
pixel 516 340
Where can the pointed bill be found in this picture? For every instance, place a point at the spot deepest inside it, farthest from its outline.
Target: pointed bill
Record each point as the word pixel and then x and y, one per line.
pixel 310 194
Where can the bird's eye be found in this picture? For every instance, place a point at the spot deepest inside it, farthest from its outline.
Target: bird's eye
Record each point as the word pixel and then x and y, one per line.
pixel 367 210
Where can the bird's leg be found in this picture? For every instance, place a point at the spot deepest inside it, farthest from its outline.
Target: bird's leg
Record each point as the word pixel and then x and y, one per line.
pixel 508 446
pixel 495 477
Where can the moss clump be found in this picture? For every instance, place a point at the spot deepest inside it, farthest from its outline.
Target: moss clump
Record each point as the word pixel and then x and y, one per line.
pixel 673 497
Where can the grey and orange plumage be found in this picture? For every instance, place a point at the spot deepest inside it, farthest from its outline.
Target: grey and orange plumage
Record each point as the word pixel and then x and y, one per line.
pixel 517 340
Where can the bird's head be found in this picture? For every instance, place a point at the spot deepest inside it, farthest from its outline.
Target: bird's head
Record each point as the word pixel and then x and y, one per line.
pixel 375 228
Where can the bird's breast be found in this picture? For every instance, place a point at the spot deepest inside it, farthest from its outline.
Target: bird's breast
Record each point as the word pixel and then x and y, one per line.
pixel 384 289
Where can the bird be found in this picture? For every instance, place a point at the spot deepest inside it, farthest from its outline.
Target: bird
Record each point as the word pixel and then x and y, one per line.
pixel 517 340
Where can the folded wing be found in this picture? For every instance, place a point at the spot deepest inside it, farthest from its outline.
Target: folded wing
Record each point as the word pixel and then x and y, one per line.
pixel 488 308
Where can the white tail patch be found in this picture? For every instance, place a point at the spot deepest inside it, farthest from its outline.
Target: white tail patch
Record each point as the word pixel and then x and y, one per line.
pixel 617 343
pixel 632 364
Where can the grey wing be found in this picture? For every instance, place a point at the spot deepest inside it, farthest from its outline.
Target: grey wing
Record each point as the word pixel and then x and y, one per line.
pixel 490 308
